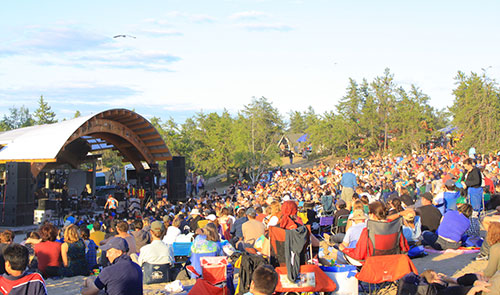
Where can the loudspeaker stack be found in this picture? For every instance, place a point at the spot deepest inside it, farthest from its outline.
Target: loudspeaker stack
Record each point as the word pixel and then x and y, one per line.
pixel 18 202
pixel 176 179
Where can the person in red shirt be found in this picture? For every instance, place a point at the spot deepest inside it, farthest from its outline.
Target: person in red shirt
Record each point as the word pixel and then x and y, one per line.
pixel 48 252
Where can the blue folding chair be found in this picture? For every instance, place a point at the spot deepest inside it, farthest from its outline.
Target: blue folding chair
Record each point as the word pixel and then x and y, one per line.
pixel 182 251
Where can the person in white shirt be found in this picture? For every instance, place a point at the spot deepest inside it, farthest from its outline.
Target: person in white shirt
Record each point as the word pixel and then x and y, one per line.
pixel 157 252
pixel 173 231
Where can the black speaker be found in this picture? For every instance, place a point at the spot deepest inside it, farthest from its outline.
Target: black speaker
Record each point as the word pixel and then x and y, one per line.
pixel 19 203
pixel 176 179
pixel 46 204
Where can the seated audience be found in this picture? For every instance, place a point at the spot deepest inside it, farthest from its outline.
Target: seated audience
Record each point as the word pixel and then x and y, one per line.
pixel 450 231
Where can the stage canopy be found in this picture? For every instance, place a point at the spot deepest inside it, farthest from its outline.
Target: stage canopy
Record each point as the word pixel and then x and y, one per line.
pixel 70 141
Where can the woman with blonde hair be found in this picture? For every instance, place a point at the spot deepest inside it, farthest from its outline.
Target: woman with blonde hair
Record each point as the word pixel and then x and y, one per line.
pixel 275 218
pixel 73 253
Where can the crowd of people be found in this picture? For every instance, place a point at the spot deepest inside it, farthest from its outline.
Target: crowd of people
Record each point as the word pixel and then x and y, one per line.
pixel 441 197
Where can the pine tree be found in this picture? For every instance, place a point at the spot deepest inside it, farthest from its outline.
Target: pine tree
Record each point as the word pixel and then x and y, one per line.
pixel 43 114
pixel 476 111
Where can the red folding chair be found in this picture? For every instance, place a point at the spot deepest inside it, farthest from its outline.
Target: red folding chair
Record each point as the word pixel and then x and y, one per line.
pixel 216 277
pixel 386 261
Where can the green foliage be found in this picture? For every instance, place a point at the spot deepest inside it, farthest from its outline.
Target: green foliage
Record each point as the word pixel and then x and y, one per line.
pixel 43 114
pixel 111 158
pixel 18 118
pixel 476 111
pixel 77 114
pixel 257 131
pixel 376 117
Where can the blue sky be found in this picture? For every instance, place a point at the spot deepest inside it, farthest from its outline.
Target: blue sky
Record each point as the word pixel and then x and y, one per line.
pixel 213 54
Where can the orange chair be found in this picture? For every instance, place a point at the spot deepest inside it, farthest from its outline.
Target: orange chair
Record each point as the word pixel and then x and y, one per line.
pixel 385 263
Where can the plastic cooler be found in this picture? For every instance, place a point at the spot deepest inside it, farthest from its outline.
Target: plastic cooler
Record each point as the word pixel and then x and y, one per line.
pixel 344 278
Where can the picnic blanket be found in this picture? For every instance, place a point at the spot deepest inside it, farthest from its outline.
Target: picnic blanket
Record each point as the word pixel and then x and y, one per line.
pixel 461 250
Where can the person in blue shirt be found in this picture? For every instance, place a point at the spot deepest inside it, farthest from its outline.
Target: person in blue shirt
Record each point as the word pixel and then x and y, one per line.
pixel 122 277
pixel 449 233
pixel 348 183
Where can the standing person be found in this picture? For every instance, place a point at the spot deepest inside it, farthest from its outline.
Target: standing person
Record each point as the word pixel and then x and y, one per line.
pixel 123 276
pixel 17 281
pixel 73 253
pixel 291 154
pixel 189 183
pixel 48 251
pixel 472 183
pixel 111 204
pixel 201 183
pixel 193 184
pixel 348 183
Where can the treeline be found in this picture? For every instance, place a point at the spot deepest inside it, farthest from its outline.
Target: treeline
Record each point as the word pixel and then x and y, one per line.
pixel 372 117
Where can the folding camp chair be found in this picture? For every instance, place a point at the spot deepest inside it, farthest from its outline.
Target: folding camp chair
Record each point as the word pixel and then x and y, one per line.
pixel 216 277
pixel 386 262
pixel 182 251
pixel 325 224
pixel 340 224
pixel 310 279
pixel 277 238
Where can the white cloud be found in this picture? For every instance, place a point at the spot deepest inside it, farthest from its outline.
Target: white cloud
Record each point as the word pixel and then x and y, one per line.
pixel 197 18
pixel 266 27
pixel 162 32
pixel 249 15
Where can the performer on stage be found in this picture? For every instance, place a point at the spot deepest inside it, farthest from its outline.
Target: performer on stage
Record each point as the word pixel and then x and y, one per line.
pixel 111 204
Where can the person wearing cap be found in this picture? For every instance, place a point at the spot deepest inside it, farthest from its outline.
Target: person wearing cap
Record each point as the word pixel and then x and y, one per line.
pixel 156 253
pixel 195 216
pixel 352 235
pixel 429 215
pixel 123 276
pixel 412 228
pixel 252 229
